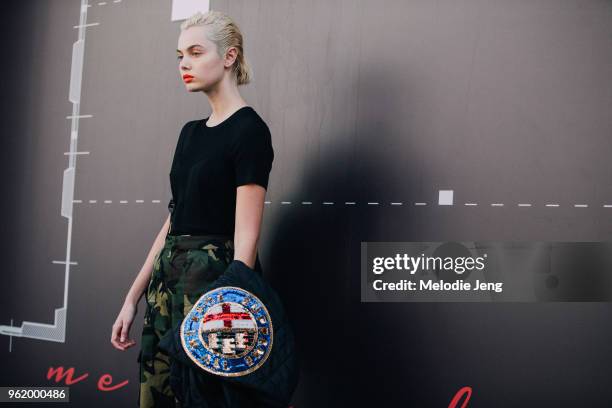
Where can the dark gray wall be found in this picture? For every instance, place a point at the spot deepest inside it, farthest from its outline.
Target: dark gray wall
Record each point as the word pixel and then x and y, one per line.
pixel 502 101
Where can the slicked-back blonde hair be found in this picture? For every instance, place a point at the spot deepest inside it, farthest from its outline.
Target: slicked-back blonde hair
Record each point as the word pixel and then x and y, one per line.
pixel 224 32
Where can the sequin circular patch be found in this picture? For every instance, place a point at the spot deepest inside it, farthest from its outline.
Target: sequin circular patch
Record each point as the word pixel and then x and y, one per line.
pixel 228 332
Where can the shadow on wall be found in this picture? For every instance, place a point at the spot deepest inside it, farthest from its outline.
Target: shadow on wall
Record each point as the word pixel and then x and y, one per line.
pixel 315 258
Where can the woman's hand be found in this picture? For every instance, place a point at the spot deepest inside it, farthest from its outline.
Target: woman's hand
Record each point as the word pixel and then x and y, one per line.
pixel 121 328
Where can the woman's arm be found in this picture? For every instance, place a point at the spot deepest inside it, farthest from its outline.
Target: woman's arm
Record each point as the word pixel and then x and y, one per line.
pixel 142 279
pixel 121 327
pixel 249 214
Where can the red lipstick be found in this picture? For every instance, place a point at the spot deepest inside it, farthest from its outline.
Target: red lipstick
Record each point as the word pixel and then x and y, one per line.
pixel 187 78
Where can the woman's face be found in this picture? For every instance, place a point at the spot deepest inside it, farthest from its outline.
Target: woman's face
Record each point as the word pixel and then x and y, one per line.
pixel 198 58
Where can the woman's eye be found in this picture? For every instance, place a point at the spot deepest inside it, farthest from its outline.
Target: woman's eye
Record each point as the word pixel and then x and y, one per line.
pixel 194 54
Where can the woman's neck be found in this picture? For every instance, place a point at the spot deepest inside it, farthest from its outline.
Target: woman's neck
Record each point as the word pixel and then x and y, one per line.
pixel 224 101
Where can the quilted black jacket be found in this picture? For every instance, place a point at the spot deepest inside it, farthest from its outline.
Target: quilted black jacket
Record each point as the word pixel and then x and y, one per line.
pixel 270 386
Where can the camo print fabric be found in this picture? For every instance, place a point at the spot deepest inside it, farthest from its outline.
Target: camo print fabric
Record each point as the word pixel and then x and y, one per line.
pixel 182 272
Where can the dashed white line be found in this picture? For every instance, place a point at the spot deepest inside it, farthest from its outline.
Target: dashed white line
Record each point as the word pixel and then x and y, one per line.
pixel 354 203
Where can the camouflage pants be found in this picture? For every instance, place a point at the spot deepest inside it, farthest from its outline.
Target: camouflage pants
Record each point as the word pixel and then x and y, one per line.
pixel 182 272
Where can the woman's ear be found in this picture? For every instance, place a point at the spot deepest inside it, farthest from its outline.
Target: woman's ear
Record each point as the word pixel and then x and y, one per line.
pixel 230 56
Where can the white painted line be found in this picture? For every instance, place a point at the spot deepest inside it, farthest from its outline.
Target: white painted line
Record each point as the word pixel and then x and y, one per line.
pixel 64 262
pixel 140 201
pixel 524 205
pixel 108 201
pixel 123 202
pixel 73 153
pixel 93 201
pixel 76 201
pixel 552 205
pixel 266 202
pixel 396 203
pixel 285 202
pixel 581 205
pixel 11 339
pixel 85 25
pixel 471 204
pixel 78 116
pixel 56 331
pixel 102 3
pixel 76 71
pixel 156 201
pixel 306 202
pixel 497 204
pixel 372 203
pixel 607 205
pixel 328 203
pixel 349 202
pixel 420 203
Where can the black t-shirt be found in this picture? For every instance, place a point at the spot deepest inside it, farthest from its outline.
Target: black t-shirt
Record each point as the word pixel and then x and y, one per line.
pixel 209 163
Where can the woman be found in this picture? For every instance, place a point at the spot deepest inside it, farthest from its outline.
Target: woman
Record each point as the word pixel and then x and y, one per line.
pixel 218 178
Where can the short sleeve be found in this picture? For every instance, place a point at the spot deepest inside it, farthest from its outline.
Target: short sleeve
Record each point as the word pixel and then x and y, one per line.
pixel 253 155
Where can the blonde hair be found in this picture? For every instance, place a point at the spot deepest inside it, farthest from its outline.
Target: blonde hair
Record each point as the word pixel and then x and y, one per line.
pixel 224 32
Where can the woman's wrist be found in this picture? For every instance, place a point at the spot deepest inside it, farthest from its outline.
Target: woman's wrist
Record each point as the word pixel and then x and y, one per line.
pixel 130 301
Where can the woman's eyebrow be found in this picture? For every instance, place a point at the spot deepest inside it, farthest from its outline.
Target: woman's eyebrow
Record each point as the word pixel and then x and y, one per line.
pixel 190 47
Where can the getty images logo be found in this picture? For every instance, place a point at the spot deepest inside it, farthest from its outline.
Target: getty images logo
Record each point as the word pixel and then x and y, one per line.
pixel 427 263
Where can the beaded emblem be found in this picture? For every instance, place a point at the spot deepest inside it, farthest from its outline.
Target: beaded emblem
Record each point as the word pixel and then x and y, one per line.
pixel 228 332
